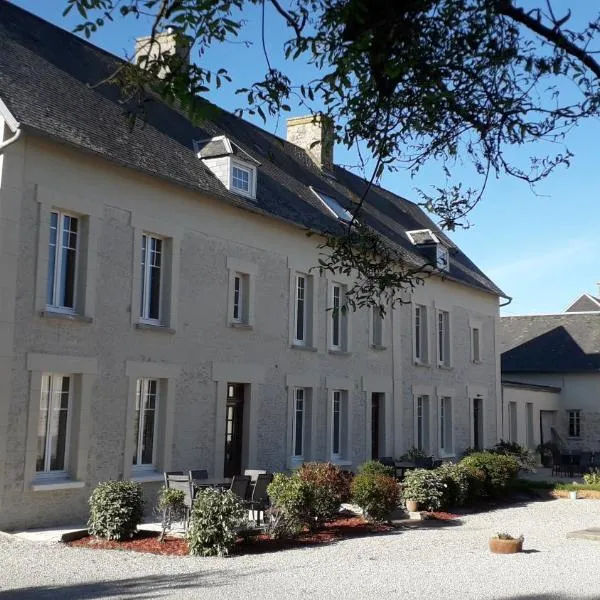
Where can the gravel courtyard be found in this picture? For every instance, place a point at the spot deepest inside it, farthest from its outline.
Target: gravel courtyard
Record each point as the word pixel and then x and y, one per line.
pixel 445 562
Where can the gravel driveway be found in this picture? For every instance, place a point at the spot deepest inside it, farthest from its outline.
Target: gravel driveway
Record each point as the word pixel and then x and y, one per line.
pixel 437 563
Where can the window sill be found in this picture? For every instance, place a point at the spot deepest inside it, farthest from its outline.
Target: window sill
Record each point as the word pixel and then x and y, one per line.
pixel 339 353
pixel 419 363
pixel 303 348
pixel 154 327
pixel 445 367
pixel 48 485
pixel 237 325
pixel 476 362
pixel 49 313
pixel 377 347
pixel 146 476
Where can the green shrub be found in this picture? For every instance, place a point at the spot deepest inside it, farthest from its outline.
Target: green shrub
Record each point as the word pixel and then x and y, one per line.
pixel 374 467
pixel 413 453
pixel 213 523
pixel 499 469
pixel 460 483
pixel 116 509
pixel 592 478
pixel 291 503
pixel 169 507
pixel 524 456
pixel 329 487
pixel 377 494
pixel 426 487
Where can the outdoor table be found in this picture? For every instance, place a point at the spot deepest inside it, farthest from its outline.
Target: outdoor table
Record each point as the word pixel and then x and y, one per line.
pixel 214 482
pixel 402 466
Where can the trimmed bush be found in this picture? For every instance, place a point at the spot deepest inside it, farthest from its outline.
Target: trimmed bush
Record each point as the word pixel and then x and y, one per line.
pixel 460 487
pixel 169 507
pixel 374 467
pixel 214 521
pixel 377 494
pixel 499 469
pixel 592 478
pixel 413 453
pixel 291 502
pixel 329 487
pixel 116 509
pixel 524 456
pixel 426 487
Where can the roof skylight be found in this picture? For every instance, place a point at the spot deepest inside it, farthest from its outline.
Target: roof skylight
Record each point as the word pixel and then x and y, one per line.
pixel 333 206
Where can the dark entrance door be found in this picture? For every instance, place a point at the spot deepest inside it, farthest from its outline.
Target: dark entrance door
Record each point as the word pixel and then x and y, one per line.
pixel 234 428
pixel 375 408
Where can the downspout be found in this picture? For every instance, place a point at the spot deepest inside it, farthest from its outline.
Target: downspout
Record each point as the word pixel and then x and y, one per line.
pixel 9 141
pixel 509 300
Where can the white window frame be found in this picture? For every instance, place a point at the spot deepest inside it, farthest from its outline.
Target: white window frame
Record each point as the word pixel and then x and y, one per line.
pixel 443 339
pixel 54 391
pixel 377 327
pixel 300 394
pixel 477 398
pixel 476 347
pixel 574 415
pixel 513 422
pixel 142 390
pixel 442 258
pixel 58 263
pixel 310 384
pixel 250 170
pixel 422 422
pixel 340 388
pixel 341 317
pixel 445 412
pixel 303 341
pixel 247 273
pixel 240 304
pixel 420 334
pixel 337 402
pixel 145 289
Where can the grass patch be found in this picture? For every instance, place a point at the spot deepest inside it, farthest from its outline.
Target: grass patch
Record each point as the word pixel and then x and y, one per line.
pixel 524 485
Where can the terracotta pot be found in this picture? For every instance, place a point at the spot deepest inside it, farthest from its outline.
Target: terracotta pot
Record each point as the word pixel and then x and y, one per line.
pixel 412 506
pixel 498 546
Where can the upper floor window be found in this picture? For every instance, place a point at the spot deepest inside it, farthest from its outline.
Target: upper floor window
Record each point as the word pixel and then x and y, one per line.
pixel 443 337
pixel 339 319
pixel 420 329
pixel 442 258
pixel 240 298
pixel 476 344
pixel 574 423
pixel 152 261
pixel 241 179
pixel 53 424
pixel 62 260
pixel 333 207
pixel 145 424
pixel 377 321
pixel 300 310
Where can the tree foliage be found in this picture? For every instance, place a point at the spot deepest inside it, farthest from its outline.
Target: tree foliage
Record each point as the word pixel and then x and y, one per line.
pixel 449 81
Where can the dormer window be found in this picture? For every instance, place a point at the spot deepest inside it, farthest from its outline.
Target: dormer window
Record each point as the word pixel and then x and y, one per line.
pixel 232 165
pixel 420 237
pixel 431 246
pixel 442 258
pixel 333 207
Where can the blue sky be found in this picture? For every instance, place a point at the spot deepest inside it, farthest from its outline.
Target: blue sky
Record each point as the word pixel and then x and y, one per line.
pixel 542 246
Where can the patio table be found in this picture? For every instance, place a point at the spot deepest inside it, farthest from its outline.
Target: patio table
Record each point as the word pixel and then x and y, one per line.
pixel 401 466
pixel 212 482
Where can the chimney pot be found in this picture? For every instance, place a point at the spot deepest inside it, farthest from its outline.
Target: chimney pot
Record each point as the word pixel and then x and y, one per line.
pixel 167 42
pixel 314 134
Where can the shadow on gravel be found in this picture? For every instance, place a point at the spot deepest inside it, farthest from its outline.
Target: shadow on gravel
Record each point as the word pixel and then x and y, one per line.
pixel 156 586
pixel 544 597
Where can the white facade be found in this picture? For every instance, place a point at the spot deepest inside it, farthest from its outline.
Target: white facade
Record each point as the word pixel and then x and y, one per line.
pixel 214 258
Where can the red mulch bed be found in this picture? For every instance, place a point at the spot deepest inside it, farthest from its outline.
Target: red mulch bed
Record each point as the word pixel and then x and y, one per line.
pixel 442 516
pixel 147 541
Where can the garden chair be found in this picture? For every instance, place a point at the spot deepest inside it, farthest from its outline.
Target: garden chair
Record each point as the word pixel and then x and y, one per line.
pixel 182 482
pixel 167 473
pixel 260 499
pixel 198 474
pixel 254 473
pixel 387 461
pixel 424 462
pixel 240 485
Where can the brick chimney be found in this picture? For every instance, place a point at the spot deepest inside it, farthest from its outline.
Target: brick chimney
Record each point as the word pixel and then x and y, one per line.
pixel 167 43
pixel 314 134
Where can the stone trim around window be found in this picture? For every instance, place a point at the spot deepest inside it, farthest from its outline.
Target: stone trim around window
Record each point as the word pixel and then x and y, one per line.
pixel 89 213
pixel 236 266
pixel 167 374
pixel 345 385
pixel 84 371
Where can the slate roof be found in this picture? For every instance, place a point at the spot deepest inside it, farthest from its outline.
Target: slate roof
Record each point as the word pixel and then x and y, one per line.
pixel 585 302
pixel 44 77
pixel 565 343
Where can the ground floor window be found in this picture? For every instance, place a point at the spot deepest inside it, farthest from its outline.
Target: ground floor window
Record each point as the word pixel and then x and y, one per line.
pixel 339 425
pixel 422 423
pixel 145 425
pixel 574 423
pixel 477 423
pixel 446 430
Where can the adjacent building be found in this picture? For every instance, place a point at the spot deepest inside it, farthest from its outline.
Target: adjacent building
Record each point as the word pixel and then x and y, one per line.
pixel 160 310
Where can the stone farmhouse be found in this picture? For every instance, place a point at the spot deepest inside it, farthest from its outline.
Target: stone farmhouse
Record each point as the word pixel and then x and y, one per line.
pixel 159 309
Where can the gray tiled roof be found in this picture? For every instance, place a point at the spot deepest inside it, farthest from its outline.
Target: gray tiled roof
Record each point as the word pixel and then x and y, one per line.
pixel 565 343
pixel 585 302
pixel 44 77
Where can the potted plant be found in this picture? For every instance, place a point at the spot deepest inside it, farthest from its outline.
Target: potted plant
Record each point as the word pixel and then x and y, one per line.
pixel 504 543
pixel 423 489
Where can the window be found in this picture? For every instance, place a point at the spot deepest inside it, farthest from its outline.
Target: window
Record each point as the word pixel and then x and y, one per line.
pixel 446 431
pixel 477 423
pixel 299 425
pixel 376 327
pixel 512 422
pixel 422 423
pixel 339 319
pixel 300 308
pixel 53 424
pixel 475 345
pixel 442 258
pixel 443 338
pixel 421 333
pixel 145 422
pixel 333 207
pixel 574 423
pixel 62 260
pixel 152 259
pixel 241 179
pixel 337 429
pixel 530 436
pixel 240 298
